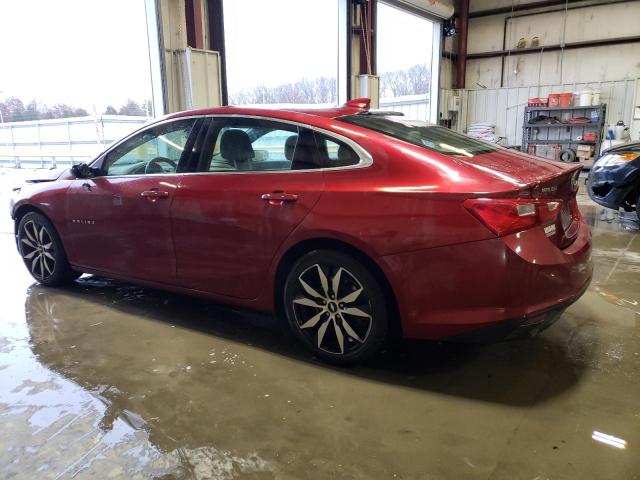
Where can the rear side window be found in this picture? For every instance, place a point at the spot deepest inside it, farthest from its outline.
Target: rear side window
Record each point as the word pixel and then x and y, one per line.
pixel 335 153
pixel 249 147
pixel 251 144
pixel 423 134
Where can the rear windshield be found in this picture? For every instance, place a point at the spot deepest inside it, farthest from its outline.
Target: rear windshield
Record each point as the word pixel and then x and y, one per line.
pixel 422 134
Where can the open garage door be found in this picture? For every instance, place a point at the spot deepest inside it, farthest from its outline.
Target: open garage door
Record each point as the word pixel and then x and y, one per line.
pixel 282 52
pixel 408 52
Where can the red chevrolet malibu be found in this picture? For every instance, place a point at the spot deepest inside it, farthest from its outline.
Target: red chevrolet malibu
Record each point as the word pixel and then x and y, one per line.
pixel 351 223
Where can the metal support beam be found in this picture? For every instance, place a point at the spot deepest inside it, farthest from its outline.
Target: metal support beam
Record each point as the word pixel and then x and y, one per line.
pixel 155 37
pixel 461 62
pixel 193 15
pixel 556 47
pixel 363 26
pixel 216 42
pixel 522 7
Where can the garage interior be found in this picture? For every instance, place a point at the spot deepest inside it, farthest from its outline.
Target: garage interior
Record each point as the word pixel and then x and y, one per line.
pixel 110 380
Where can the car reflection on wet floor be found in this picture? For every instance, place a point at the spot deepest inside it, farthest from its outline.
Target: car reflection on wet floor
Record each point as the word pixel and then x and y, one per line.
pixel 107 379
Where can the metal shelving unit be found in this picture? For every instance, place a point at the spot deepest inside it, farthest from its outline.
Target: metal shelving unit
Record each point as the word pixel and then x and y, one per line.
pixel 562 134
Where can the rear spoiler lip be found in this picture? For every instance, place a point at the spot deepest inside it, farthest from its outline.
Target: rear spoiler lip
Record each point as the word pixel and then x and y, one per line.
pixel 359 103
pixel 570 169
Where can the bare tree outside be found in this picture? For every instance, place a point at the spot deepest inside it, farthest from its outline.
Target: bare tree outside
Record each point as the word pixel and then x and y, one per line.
pixel 415 80
pixel 14 110
pixel 412 81
pixel 318 90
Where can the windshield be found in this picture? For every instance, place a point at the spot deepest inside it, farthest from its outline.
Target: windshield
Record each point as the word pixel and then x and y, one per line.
pixel 422 134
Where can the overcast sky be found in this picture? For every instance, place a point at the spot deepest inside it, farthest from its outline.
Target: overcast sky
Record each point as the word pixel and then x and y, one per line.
pixel 404 39
pixel 302 40
pixel 79 52
pixel 86 52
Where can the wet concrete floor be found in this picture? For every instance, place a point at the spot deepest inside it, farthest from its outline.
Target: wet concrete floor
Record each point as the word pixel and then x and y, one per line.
pixel 110 380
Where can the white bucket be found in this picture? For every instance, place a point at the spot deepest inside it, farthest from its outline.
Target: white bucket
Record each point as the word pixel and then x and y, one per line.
pixel 595 97
pixel 584 98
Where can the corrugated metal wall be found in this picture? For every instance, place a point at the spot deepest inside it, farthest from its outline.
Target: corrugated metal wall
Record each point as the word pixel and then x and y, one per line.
pixel 504 107
pixel 412 106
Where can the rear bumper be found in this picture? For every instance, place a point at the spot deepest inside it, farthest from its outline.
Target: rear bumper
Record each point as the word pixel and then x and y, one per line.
pixel 524 327
pixel 505 286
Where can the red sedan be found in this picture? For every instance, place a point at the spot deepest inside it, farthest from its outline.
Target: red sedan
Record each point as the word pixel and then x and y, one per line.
pixel 351 223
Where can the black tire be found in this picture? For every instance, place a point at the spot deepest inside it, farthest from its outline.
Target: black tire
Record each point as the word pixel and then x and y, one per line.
pixel 638 207
pixel 361 319
pixel 42 251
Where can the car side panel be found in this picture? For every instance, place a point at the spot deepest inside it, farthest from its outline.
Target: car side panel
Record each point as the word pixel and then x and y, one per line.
pixel 453 289
pixel 50 198
pixel 383 209
pixel 395 206
pixel 226 235
pixel 113 228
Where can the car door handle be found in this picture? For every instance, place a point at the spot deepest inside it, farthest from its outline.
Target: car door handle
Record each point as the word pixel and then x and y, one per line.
pixel 279 198
pixel 154 194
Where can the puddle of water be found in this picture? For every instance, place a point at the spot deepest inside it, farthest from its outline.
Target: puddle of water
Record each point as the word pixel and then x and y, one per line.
pixel 60 429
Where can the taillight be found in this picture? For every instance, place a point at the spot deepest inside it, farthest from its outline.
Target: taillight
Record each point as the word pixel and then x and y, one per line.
pixel 508 215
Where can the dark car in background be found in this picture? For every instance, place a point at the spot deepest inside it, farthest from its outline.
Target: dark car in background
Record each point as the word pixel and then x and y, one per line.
pixel 614 181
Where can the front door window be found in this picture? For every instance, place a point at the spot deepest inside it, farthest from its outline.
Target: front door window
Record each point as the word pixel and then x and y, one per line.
pixel 157 150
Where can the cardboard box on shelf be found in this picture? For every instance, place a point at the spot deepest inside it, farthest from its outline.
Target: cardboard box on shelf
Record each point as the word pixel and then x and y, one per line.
pixel 550 152
pixel 584 151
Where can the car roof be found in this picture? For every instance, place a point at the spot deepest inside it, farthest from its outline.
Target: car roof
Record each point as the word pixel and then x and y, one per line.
pixel 352 107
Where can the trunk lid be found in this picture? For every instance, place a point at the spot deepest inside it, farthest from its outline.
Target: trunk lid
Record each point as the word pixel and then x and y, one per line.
pixel 521 168
pixel 562 187
pixel 539 179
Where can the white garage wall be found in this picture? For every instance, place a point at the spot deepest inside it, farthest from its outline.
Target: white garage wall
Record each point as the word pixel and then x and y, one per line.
pixel 504 107
pixel 594 64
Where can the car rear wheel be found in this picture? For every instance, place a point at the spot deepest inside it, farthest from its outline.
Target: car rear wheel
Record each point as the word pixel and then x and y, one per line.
pixel 335 307
pixel 42 251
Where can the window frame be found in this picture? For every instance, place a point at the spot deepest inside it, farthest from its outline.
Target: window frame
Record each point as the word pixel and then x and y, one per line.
pixel 366 160
pixel 320 137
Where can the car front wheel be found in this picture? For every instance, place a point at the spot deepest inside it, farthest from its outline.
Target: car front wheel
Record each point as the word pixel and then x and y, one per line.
pixel 42 251
pixel 335 307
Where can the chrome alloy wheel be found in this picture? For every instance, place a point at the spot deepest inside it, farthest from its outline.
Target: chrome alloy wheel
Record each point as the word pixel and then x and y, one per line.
pixel 332 309
pixel 38 250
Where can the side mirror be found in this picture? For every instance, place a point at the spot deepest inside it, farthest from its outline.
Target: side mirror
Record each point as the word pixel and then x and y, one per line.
pixel 83 170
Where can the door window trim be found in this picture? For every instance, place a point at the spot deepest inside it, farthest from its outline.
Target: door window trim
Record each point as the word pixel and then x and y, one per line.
pixel 366 160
